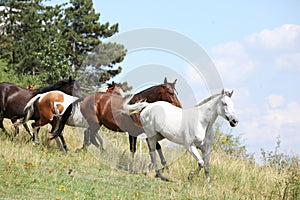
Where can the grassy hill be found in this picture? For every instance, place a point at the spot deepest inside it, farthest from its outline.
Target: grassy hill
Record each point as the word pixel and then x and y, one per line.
pixel 30 171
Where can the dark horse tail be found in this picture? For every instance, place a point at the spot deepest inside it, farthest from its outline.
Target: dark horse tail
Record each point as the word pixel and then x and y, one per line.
pixel 57 132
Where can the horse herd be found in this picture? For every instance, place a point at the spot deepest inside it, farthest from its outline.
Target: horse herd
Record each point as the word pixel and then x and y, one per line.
pixel 155 111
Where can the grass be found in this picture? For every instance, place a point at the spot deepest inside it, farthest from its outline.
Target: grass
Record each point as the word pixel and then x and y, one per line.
pixel 29 171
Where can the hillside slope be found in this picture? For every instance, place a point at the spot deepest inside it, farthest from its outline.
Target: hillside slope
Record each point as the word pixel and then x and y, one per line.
pixel 30 171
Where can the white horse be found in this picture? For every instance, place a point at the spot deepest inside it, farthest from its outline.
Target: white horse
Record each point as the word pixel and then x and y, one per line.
pixel 191 128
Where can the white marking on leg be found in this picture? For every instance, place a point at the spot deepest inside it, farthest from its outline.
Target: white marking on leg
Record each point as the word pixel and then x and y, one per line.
pixel 193 150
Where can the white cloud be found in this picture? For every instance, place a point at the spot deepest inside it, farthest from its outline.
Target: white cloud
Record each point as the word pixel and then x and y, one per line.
pixel 275 100
pixel 278 48
pixel 288 61
pixel 264 56
pixel 284 116
pixel 232 61
pixel 262 122
pixel 286 37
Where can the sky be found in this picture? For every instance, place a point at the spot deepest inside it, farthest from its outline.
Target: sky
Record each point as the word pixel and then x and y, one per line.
pixel 255 47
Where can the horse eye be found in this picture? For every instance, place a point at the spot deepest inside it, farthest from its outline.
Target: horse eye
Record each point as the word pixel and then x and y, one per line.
pixel 224 103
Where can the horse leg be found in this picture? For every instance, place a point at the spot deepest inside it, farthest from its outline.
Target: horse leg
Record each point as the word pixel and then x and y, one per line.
pixel 99 138
pixel 35 137
pixel 36 126
pixel 132 144
pixel 93 133
pixel 161 155
pixel 3 128
pixel 193 150
pixel 152 147
pixel 28 130
pixel 86 138
pixel 206 156
pixel 1 124
pixel 62 139
pixel 205 149
pixel 62 122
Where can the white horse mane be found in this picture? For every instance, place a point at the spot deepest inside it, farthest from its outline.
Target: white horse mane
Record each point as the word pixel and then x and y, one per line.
pixel 207 100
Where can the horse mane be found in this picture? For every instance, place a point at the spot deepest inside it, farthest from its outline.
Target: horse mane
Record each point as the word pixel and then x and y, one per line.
pixel 207 100
pixel 54 86
pixel 137 97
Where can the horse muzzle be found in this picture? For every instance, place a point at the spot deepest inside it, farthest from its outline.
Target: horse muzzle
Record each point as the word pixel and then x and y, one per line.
pixel 234 122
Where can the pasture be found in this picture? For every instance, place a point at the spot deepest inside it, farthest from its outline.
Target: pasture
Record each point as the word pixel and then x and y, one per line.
pixel 30 171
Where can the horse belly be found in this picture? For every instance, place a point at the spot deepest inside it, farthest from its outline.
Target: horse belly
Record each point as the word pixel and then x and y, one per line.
pixel 77 119
pixel 167 122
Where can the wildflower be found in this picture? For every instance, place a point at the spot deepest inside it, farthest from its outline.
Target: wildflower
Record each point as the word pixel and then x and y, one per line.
pixel 62 188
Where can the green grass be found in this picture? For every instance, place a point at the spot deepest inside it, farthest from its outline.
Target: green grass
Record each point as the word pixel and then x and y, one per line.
pixel 30 171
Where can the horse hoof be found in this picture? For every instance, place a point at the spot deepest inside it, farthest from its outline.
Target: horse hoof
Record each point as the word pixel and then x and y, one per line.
pixel 191 175
pixel 165 168
pixel 158 175
pixel 162 178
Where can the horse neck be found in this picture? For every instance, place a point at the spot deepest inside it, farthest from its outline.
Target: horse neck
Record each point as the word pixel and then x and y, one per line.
pixel 61 86
pixel 150 95
pixel 209 111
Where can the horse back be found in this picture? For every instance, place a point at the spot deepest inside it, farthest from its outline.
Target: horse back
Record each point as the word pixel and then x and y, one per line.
pixel 105 109
pixel 13 99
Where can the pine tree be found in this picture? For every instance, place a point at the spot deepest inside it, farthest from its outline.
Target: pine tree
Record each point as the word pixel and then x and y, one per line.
pixel 83 31
pixel 52 42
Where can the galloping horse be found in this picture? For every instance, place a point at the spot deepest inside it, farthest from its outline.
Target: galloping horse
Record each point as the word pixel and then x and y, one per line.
pixel 105 109
pixel 101 109
pixel 13 98
pixel 52 105
pixel 74 117
pixel 188 127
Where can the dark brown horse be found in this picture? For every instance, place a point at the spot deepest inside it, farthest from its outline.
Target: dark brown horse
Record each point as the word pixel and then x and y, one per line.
pixel 13 99
pixel 106 109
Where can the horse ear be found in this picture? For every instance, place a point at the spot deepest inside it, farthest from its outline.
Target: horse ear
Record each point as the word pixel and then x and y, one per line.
pixel 71 79
pixel 222 92
pixel 230 94
pixel 175 81
pixel 165 81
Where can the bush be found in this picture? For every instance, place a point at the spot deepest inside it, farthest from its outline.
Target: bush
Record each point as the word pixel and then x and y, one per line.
pixel 231 145
pixel 287 185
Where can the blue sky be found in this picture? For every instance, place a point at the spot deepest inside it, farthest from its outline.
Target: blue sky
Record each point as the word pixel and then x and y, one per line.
pixel 255 47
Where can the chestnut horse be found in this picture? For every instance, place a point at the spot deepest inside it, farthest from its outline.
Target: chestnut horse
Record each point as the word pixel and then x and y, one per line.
pixel 74 117
pixel 13 99
pixel 105 109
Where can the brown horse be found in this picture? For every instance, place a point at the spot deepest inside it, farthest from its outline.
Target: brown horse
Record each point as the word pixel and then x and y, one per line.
pixel 52 105
pixel 105 109
pixel 13 99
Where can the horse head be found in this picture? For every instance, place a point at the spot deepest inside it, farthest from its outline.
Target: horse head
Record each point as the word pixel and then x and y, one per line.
pixel 169 93
pixel 115 88
pixel 31 87
pixel 70 86
pixel 226 109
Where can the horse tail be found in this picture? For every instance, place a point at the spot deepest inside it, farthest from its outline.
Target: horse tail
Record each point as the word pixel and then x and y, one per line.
pixel 29 108
pixel 133 108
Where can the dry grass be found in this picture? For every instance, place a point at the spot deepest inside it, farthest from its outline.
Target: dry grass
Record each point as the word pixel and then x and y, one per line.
pixel 30 171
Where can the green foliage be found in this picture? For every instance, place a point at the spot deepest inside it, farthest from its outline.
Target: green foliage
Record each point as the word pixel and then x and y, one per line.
pixel 8 74
pixel 288 185
pixel 52 42
pixel 231 145
pixel 82 32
